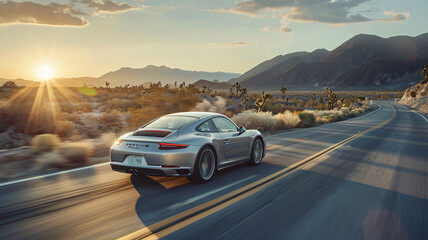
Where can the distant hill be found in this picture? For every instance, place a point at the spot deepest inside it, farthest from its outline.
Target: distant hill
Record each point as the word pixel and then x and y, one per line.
pixel 138 76
pixel 362 62
pixel 214 85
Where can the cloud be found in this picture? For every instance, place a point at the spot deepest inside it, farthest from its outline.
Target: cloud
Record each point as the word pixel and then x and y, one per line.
pixel 326 11
pixel 396 16
pixel 228 44
pixel 55 14
pixel 337 12
pixel 284 28
pixel 34 13
pixel 108 6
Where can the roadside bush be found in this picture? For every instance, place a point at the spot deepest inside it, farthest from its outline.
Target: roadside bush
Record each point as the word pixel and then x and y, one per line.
pixel 262 121
pixel 48 160
pixel 76 152
pixel 44 142
pixel 65 129
pixel 307 119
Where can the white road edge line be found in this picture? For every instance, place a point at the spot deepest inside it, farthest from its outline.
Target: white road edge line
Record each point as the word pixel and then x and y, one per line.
pixel 52 174
pixel 194 199
pixel 420 115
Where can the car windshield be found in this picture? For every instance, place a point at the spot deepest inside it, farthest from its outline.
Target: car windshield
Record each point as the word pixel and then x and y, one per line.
pixel 171 122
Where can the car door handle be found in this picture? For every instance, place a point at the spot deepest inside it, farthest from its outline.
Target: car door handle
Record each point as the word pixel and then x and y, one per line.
pixel 226 141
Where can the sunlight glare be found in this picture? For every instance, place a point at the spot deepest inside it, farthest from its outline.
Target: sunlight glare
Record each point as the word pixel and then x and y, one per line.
pixel 45 72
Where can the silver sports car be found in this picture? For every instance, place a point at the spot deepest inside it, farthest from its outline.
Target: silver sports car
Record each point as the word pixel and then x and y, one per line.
pixel 192 144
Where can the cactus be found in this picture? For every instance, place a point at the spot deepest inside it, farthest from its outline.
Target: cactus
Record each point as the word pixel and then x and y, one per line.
pixel 260 102
pixel 283 89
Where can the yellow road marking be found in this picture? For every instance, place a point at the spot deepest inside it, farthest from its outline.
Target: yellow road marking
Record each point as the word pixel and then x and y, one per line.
pixel 183 219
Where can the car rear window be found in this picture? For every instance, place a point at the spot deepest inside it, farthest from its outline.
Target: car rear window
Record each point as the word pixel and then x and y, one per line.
pixel 171 122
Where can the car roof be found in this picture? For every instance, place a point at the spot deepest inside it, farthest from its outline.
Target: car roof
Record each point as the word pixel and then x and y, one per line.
pixel 195 114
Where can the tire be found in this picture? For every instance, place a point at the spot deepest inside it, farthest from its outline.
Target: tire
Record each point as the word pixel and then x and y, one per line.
pixel 256 152
pixel 205 166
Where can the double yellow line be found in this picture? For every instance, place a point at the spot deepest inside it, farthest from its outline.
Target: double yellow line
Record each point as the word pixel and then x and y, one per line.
pixel 183 219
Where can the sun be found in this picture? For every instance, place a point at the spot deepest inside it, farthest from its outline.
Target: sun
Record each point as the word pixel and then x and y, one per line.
pixel 45 72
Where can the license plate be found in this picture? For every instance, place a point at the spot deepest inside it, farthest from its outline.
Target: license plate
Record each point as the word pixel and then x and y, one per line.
pixel 137 160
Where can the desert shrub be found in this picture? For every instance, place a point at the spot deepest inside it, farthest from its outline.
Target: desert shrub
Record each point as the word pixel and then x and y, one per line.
pixel 218 105
pixel 48 160
pixel 76 152
pixel 68 107
pixel 263 121
pixel 44 142
pixel 287 119
pixel 85 107
pixel 110 119
pixel 307 119
pixel 73 118
pixel 65 129
pixel 384 96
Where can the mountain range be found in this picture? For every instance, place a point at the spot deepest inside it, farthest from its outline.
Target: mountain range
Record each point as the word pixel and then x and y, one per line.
pixel 138 76
pixel 362 62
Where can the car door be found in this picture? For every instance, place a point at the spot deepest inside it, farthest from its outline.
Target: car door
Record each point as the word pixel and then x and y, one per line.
pixel 235 145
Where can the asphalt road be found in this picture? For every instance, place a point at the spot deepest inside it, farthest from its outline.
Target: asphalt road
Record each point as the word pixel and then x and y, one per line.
pixel 373 187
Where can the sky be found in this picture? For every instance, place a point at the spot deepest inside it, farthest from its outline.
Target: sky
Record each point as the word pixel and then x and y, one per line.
pixel 92 37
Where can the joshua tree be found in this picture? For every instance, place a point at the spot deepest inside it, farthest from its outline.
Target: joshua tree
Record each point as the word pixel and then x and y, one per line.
pixel 107 85
pixel 203 89
pixel 159 84
pixel 243 92
pixel 127 85
pixel 208 91
pixel 331 98
pixel 245 100
pixel 314 97
pixel 425 74
pixel 260 102
pixel 175 84
pixel 283 89
pixel 230 93
pixel 10 84
pixel 238 87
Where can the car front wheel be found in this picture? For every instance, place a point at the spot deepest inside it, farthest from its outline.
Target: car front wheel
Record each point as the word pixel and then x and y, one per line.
pixel 256 152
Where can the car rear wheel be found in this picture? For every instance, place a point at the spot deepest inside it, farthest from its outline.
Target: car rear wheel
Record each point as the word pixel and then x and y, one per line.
pixel 256 152
pixel 204 166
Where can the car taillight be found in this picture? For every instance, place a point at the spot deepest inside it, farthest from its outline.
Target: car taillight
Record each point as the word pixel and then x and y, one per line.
pixel 118 142
pixel 171 146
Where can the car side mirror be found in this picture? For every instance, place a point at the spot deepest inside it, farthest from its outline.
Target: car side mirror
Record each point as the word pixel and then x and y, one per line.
pixel 241 130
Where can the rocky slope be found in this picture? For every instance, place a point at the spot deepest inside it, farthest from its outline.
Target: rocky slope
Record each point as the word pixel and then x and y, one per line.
pixel 416 97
